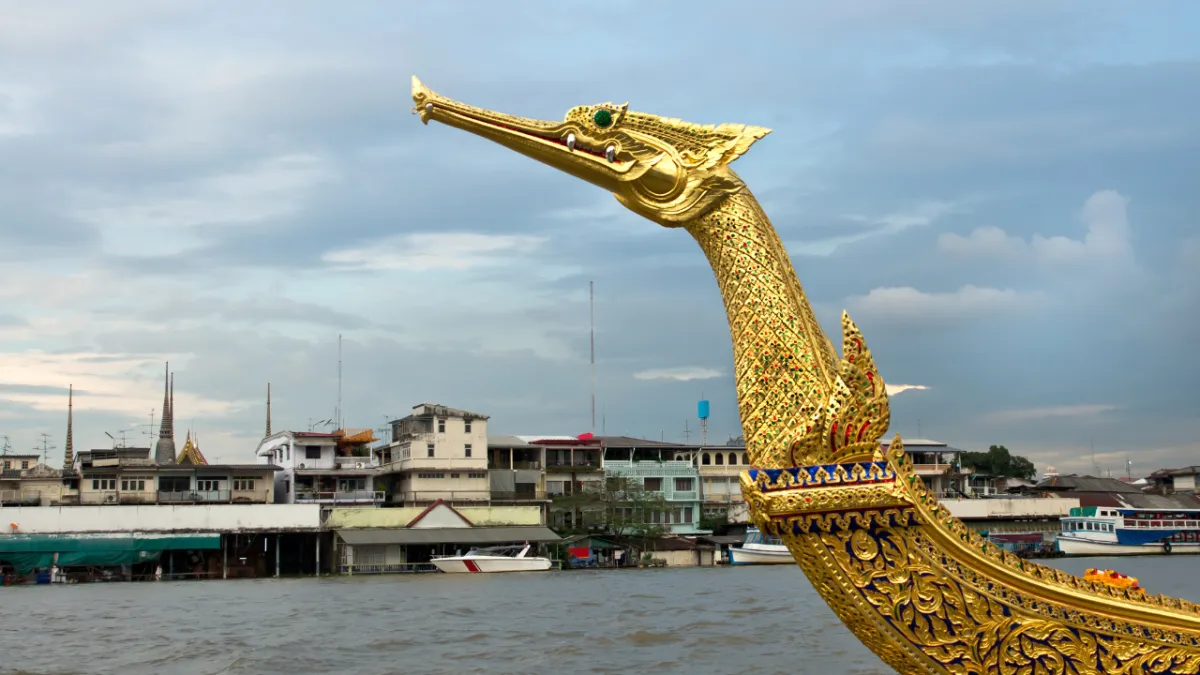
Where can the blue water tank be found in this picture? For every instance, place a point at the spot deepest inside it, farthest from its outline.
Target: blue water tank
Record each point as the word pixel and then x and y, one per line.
pixel 702 410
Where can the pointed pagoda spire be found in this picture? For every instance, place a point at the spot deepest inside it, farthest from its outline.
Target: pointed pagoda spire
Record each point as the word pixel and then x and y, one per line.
pixel 69 453
pixel 164 451
pixel 268 409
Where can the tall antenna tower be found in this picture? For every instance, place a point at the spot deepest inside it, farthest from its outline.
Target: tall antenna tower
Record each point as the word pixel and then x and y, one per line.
pixel 6 446
pixel 337 412
pixel 687 433
pixel 592 339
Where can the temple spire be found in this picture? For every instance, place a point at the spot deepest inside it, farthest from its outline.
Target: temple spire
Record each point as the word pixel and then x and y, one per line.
pixel 69 453
pixel 164 451
pixel 268 409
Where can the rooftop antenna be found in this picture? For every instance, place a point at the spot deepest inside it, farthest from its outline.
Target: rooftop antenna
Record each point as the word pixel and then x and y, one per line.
pixel 1129 469
pixel 6 447
pixel 603 421
pixel 687 433
pixel 45 448
pixel 1095 466
pixel 592 340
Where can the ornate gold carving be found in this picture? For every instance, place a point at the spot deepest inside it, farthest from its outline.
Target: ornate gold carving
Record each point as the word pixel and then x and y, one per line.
pixel 918 587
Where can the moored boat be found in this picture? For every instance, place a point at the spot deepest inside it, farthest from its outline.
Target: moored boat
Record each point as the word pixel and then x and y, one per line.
pixel 1103 530
pixel 491 560
pixel 760 549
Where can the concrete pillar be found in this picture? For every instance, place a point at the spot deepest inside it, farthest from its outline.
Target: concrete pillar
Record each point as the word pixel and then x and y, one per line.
pixel 224 559
pixel 277 538
pixel 317 571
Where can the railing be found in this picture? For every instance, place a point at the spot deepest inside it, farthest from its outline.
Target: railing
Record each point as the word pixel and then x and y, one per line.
pixel 684 496
pixel 366 462
pixel 564 467
pixel 1162 524
pixel 519 496
pixel 15 498
pixel 471 464
pixel 308 496
pixel 515 466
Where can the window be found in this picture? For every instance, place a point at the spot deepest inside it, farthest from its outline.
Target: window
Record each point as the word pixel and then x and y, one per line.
pixel 467 428
pixel 706 459
pixel 720 459
pixel 24 464
pixel 431 475
pixel 479 474
pixel 441 426
pixel 733 459
pixel 243 484
pixel 312 452
pixel 652 484
pixel 683 485
pixel 455 475
pixel 208 484
pixel 7 464
pixel 287 487
pixel 104 482
pixel 133 484
pixel 467 450
pixel 429 450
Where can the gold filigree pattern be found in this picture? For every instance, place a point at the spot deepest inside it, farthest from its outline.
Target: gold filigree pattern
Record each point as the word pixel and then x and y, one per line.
pixel 924 592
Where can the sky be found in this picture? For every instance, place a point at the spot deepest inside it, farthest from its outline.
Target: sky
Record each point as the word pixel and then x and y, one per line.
pixel 1001 193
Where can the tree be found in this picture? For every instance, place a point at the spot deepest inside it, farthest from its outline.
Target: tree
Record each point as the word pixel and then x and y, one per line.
pixel 619 504
pixel 998 461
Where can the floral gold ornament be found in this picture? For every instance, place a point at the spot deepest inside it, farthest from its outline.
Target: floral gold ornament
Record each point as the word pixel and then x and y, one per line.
pixel 920 589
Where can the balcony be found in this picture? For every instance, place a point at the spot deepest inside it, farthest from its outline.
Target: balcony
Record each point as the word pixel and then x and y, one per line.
pixel 340 497
pixel 469 497
pixel 567 467
pixel 516 466
pixel 353 463
pixel 469 464
pixel 684 496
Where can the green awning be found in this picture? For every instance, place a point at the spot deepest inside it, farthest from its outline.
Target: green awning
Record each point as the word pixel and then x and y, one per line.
pixel 27 552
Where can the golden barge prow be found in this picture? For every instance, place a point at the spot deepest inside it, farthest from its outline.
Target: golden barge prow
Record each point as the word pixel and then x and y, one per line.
pixel 919 588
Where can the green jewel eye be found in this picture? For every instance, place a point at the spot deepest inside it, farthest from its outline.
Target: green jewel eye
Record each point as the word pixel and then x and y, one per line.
pixel 602 118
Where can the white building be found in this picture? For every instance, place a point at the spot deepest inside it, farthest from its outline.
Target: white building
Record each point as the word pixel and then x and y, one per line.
pixel 323 468
pixel 437 453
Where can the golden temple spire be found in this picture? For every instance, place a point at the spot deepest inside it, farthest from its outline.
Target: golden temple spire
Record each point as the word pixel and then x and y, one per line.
pixel 190 454
pixel 164 451
pixel 69 453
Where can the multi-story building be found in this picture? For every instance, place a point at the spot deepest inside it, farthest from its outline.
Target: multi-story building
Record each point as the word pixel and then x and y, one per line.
pixel 436 453
pixel 720 485
pixel 939 466
pixel 124 475
pixel 664 468
pixel 26 482
pixel 535 469
pixel 335 468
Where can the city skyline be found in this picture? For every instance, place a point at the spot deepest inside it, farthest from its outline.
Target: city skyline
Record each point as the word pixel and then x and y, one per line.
pixel 1000 195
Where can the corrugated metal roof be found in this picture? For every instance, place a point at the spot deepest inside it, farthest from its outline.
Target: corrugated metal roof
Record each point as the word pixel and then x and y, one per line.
pixel 507 442
pixel 201 468
pixel 447 535
pixel 1076 483
pixel 630 442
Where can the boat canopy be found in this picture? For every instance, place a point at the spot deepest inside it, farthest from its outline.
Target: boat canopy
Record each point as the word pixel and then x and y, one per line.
pixel 28 552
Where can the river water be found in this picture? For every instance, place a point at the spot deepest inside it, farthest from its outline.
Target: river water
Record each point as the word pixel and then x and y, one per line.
pixel 703 620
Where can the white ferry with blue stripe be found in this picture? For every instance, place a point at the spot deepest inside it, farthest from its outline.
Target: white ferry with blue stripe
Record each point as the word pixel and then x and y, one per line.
pixel 1108 530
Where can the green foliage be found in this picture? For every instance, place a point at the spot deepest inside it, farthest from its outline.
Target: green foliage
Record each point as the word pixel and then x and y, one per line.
pixel 998 461
pixel 618 505
pixel 718 524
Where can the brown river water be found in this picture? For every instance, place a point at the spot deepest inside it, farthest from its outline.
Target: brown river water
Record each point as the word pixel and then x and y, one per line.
pixel 764 619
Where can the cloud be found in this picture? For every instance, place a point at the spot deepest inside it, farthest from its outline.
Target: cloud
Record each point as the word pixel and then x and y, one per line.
pixel 1106 241
pixel 1050 412
pixel 906 304
pixel 894 389
pixel 679 374
pixel 437 251
pixel 922 215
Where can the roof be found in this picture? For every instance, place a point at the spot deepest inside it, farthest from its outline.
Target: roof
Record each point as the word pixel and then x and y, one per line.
pixel 447 535
pixel 915 441
pixel 508 442
pixel 191 453
pixel 439 410
pixel 630 442
pixel 185 468
pixel 1137 500
pixel 1076 483
pixel 1183 471
pixel 12 456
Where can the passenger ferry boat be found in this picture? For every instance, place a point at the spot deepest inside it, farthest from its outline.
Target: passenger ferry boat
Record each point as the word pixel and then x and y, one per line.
pixel 1104 530
pixel 760 549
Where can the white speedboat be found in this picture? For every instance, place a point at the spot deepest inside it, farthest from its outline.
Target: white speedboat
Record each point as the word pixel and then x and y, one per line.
pixel 493 559
pixel 760 549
